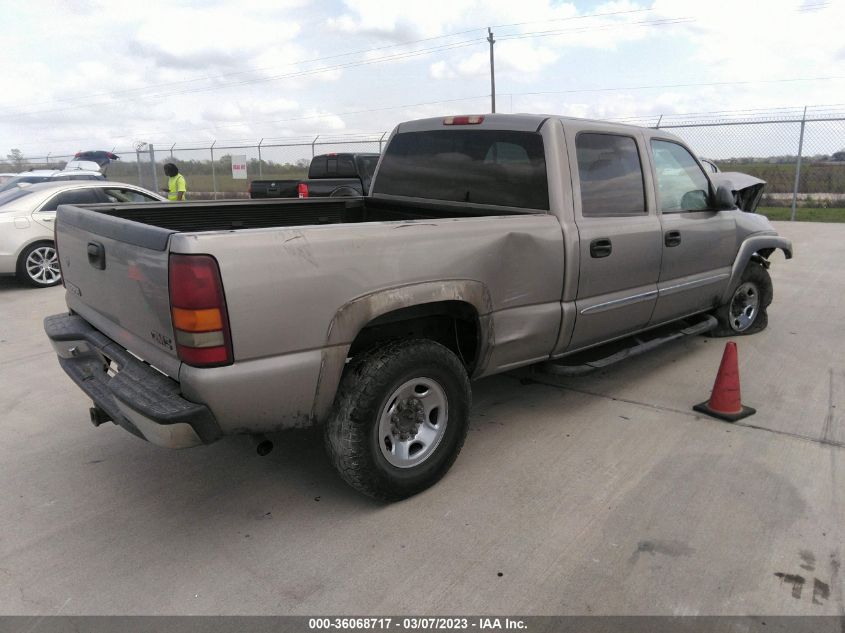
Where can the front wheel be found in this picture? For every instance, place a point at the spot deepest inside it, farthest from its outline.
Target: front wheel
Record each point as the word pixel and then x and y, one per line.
pixel 38 265
pixel 745 311
pixel 400 419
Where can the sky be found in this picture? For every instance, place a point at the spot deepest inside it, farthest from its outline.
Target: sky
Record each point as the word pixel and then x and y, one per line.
pixel 87 74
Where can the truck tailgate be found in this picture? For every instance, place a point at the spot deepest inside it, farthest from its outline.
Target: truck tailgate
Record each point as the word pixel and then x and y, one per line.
pixel 116 275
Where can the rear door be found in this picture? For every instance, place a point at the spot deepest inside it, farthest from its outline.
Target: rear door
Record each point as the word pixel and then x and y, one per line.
pixel 619 233
pixel 699 243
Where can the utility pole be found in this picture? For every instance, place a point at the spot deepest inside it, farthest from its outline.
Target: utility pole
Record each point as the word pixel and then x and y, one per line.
pixel 492 71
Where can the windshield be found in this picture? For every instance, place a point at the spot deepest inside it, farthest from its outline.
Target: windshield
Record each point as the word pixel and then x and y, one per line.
pixel 11 195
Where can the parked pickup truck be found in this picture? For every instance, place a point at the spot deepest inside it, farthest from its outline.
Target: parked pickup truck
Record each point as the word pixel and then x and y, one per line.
pixel 486 243
pixel 329 176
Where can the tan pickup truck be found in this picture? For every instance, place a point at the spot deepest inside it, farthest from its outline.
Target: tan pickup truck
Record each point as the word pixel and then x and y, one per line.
pixel 486 243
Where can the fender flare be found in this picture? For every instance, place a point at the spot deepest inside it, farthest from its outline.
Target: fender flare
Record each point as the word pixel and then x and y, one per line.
pixel 352 317
pixel 747 250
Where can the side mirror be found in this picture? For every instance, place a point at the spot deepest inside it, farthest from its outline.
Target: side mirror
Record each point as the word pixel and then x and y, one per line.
pixel 724 198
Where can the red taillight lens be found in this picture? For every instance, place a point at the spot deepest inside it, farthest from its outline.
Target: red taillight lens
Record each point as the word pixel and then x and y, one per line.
pixel 302 190
pixel 249 188
pixel 471 119
pixel 198 311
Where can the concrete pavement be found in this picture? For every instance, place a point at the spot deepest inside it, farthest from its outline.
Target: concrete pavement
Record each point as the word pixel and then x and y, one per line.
pixel 603 494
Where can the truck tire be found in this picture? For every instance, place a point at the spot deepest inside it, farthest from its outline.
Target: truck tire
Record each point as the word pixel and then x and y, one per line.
pixel 38 265
pixel 745 312
pixel 400 418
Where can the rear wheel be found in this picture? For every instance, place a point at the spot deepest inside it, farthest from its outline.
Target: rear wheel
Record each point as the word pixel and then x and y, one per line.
pixel 745 311
pixel 38 265
pixel 400 419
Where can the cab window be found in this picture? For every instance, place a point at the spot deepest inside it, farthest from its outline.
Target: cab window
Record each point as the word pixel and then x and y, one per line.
pixel 610 174
pixel 681 184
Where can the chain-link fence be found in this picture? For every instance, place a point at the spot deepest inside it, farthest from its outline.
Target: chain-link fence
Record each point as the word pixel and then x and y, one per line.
pixel 207 167
pixel 800 153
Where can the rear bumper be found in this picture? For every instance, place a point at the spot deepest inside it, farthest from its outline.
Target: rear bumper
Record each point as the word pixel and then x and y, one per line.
pixel 137 397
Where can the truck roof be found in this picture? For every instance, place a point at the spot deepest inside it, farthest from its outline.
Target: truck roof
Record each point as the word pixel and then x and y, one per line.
pixel 516 122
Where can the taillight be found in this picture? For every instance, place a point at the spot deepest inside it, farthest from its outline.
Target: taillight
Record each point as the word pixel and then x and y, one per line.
pixel 302 190
pixel 198 310
pixel 472 119
pixel 249 188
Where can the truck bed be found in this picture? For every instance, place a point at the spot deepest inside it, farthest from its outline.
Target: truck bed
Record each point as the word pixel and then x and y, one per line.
pixel 227 215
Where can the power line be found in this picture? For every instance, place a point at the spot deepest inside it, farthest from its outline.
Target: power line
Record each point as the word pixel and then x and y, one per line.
pixel 147 133
pixel 518 94
pixel 133 91
pixel 574 17
pixel 242 72
pixel 363 137
pixel 317 71
pixel 355 64
pixel 666 22
pixel 747 110
pixel 322 116
pixel 684 85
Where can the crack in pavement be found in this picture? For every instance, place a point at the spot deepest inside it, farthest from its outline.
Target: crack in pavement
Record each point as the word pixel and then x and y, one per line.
pixel 824 441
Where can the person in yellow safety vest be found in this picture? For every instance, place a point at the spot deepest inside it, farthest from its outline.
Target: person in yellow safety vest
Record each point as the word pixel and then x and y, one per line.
pixel 177 188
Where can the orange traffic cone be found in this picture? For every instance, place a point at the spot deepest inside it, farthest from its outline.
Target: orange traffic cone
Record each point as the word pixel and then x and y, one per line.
pixel 725 402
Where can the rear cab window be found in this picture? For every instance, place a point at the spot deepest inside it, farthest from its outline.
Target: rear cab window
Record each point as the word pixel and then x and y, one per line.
pixel 333 166
pixel 495 167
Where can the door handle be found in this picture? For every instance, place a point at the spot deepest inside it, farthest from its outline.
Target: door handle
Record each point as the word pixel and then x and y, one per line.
pixel 97 255
pixel 601 247
pixel 672 238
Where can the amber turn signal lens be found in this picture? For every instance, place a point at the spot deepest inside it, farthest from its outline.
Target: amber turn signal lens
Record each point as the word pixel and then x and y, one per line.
pixel 197 320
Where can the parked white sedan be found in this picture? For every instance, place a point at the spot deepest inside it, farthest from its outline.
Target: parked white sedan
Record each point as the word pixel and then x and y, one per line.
pixel 27 215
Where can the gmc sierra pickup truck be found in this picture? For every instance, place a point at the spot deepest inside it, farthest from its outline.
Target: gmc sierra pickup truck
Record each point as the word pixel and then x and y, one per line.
pixel 329 176
pixel 486 243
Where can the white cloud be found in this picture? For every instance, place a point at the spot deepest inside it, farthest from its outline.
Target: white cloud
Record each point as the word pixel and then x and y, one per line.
pixel 193 39
pixel 441 70
pixel 220 69
pixel 736 41
pixel 517 60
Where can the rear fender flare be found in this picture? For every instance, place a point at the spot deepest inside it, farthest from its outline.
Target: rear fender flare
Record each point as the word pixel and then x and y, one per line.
pixel 351 318
pixel 761 246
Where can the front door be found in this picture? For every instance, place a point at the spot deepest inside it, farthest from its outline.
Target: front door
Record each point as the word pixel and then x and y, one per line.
pixel 699 243
pixel 619 235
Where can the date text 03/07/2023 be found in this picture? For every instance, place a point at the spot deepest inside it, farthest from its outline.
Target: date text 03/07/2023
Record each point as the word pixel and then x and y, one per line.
pixel 416 623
